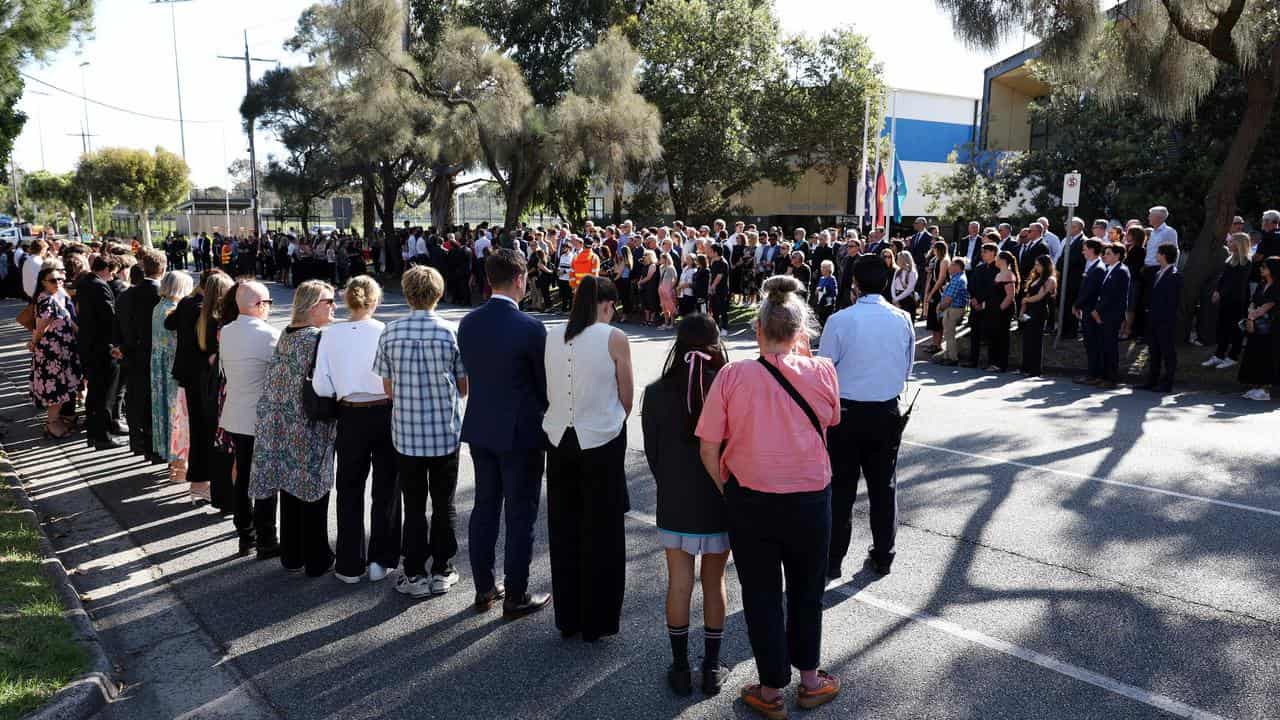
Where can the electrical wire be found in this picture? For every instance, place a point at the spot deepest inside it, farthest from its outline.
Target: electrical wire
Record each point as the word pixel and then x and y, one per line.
pixel 117 108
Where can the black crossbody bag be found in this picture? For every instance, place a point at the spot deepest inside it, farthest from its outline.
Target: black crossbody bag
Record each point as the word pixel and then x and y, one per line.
pixel 795 395
pixel 317 408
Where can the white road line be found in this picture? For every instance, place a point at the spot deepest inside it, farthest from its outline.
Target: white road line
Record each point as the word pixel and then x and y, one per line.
pixel 1105 481
pixel 1112 685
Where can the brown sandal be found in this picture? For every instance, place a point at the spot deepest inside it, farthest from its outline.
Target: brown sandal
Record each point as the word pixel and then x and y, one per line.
pixel 773 710
pixel 828 688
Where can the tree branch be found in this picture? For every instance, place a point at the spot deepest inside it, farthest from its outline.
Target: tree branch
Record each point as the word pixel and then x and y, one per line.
pixel 1201 36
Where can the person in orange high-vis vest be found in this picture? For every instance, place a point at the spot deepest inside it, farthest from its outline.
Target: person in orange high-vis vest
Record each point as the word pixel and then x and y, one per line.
pixel 585 263
pixel 226 253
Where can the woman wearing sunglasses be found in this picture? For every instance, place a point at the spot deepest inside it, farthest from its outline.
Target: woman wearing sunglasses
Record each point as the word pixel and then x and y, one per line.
pixel 55 363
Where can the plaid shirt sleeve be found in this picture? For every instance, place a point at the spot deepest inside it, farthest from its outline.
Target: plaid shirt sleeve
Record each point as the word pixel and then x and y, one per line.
pixel 381 367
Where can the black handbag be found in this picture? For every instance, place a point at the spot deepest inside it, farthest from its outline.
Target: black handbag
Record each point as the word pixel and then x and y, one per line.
pixel 317 408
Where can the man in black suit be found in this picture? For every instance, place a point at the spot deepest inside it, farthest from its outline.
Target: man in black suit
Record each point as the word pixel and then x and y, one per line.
pixel 96 307
pixel 981 281
pixel 1162 318
pixel 1082 309
pixel 1113 300
pixel 920 244
pixel 1033 247
pixel 502 350
pixel 969 247
pixel 135 347
pixel 1073 258
pixel 1008 242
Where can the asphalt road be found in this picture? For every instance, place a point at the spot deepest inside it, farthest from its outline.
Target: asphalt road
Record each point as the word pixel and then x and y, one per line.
pixel 1063 554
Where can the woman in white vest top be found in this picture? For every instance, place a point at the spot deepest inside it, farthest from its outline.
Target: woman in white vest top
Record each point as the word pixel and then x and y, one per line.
pixel 589 388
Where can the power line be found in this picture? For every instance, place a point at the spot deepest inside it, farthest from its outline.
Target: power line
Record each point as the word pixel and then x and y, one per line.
pixel 109 106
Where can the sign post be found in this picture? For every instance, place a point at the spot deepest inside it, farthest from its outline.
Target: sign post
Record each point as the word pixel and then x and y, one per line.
pixel 1071 199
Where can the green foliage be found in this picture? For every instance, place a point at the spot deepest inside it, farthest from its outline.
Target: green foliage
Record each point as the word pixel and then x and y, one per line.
pixel 141 181
pixel 978 188
pixel 30 31
pixel 745 107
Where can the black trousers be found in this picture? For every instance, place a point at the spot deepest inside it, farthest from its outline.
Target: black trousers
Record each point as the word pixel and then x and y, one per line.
pixel 1070 325
pixel 1146 279
pixel 1091 332
pixel 720 310
pixel 1109 346
pixel 775 536
pixel 977 329
pixel 1230 337
pixel 865 444
pixel 510 480
pixel 252 517
pixel 138 403
pixel 364 442
pixel 1032 332
pixel 200 427
pixel 103 375
pixel 997 322
pixel 304 534
pixel 566 294
pixel 1162 361
pixel 436 477
pixel 586 500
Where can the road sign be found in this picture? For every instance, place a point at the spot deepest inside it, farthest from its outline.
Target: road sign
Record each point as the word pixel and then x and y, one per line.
pixel 1071 190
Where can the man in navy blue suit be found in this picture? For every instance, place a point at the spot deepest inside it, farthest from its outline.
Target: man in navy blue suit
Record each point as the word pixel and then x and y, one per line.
pixel 1162 317
pixel 502 350
pixel 1113 300
pixel 1093 273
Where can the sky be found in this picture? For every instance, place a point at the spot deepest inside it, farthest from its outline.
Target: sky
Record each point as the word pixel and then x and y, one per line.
pixel 131 66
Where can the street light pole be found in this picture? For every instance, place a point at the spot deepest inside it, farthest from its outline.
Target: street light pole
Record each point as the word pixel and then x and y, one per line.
pixel 177 73
pixel 40 124
pixel 85 134
pixel 253 156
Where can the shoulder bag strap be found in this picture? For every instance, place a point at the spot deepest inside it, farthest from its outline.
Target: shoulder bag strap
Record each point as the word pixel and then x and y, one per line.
pixel 795 395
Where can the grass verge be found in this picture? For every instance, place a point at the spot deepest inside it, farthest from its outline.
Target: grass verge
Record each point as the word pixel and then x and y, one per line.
pixel 38 654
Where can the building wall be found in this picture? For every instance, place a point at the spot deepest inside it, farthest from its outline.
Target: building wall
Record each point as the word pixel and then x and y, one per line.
pixel 812 195
pixel 1008 122
pixel 929 128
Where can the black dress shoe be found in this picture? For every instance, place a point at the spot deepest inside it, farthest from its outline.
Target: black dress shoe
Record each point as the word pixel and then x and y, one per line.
pixel 1146 386
pixel 118 429
pixel 713 679
pixel 485 600
pixel 106 443
pixel 878 563
pixel 833 573
pixel 680 680
pixel 268 550
pixel 513 608
pixel 247 544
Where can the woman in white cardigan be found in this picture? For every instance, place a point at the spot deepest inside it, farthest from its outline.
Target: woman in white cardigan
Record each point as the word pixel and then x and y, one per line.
pixel 590 389
pixel 904 284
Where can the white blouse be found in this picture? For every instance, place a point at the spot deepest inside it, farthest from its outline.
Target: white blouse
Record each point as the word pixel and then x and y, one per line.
pixel 582 387
pixel 904 284
pixel 344 361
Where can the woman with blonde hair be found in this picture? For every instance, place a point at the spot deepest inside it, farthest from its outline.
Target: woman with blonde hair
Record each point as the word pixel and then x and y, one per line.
pixel 905 279
pixel 169 432
pixel 763 434
pixel 667 290
pixel 344 370
pixel 1232 299
pixel 293 454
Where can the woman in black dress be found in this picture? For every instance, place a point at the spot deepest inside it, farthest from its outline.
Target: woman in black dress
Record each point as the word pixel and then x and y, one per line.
pixel 1259 368
pixel 1041 288
pixel 935 280
pixel 1001 302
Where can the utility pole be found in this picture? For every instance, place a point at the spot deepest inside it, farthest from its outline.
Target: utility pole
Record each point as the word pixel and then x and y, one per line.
pixel 173 25
pixel 39 124
pixel 84 144
pixel 253 156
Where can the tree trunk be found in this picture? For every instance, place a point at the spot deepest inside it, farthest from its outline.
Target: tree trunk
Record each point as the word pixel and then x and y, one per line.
pixel 391 241
pixel 369 204
pixel 146 229
pixel 1220 203
pixel 618 185
pixel 442 188
pixel 679 205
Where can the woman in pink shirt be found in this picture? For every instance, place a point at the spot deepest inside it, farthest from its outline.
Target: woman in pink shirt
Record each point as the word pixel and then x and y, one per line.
pixel 763 441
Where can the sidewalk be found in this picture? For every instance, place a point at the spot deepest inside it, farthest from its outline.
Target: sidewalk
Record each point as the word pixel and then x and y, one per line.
pixel 167 666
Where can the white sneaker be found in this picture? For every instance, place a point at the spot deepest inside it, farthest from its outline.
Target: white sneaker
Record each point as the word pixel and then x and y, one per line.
pixel 376 572
pixel 440 584
pixel 417 586
pixel 1226 363
pixel 1213 361
pixel 724 333
pixel 349 579
pixel 1258 394
pixel 1195 340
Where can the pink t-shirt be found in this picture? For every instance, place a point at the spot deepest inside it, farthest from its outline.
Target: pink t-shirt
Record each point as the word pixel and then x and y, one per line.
pixel 772 447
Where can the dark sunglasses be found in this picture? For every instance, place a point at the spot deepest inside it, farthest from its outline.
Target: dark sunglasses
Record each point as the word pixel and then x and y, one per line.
pixel 265 302
pixel 328 301
pixel 56 279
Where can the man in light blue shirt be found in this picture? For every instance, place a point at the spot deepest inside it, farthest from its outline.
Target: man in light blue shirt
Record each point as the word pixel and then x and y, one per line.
pixel 872 345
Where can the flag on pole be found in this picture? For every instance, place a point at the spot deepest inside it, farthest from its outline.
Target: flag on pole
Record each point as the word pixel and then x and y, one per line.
pixel 867 182
pixel 900 189
pixel 882 190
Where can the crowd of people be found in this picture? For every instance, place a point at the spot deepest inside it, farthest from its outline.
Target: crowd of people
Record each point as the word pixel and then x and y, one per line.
pixel 758 457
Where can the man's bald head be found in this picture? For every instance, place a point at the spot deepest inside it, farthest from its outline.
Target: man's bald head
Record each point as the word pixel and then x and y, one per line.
pixel 249 297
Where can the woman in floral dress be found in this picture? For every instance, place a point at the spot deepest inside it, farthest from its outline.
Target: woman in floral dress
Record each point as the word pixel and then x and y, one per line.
pixel 292 454
pixel 55 363
pixel 164 388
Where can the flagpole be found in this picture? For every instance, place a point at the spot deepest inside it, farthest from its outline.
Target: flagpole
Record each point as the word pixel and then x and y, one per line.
pixel 862 179
pixel 893 154
pixel 875 172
